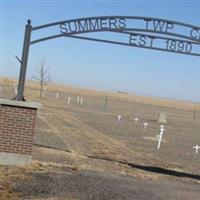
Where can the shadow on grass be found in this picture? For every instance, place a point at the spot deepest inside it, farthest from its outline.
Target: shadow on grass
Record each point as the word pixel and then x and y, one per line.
pixel 153 169
pixel 160 170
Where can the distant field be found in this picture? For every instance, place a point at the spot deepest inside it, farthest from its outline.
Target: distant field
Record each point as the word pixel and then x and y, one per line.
pixel 120 97
pixel 90 137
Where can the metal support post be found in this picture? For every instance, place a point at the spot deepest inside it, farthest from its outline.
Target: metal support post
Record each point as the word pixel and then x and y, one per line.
pixel 22 76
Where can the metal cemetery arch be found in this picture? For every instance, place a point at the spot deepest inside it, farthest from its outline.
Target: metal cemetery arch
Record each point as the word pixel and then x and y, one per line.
pixel 142 32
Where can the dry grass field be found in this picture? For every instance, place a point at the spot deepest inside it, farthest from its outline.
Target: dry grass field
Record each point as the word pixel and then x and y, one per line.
pixel 101 157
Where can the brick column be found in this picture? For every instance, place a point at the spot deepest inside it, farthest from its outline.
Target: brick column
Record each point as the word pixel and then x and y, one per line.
pixel 17 130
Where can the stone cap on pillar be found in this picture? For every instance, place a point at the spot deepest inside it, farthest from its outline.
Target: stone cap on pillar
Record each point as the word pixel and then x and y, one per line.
pixel 22 104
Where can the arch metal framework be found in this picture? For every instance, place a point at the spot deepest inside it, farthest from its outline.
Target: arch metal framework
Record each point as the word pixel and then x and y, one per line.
pixel 142 32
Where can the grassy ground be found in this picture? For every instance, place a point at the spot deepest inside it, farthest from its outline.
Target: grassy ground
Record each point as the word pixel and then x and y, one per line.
pixel 89 137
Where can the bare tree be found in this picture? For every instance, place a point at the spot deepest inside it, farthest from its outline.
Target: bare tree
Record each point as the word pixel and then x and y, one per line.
pixel 43 74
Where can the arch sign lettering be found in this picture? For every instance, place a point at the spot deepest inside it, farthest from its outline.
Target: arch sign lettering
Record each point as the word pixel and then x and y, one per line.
pixel 141 32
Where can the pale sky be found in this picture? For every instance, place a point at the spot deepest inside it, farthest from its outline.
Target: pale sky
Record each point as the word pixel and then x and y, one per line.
pixel 102 66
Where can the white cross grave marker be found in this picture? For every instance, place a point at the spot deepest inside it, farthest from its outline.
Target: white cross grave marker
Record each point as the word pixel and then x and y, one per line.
pixel 136 120
pixel 57 95
pixel 162 127
pixel 145 125
pixel 160 136
pixel 119 117
pixel 197 147
pixel 69 100
pixel 81 102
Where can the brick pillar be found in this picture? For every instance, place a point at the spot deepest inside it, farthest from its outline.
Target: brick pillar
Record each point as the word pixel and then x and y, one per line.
pixel 17 130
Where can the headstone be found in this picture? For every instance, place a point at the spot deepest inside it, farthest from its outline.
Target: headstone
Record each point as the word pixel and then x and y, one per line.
pixel 162 118
pixel 136 120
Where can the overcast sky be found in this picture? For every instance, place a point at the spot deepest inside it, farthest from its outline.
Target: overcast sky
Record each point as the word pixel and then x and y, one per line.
pixel 97 65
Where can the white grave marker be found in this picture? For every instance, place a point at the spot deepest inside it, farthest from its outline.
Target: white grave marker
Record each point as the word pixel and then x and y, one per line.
pixel 160 136
pixel 145 125
pixel 136 120
pixel 69 100
pixel 81 101
pixel 157 137
pixel 57 95
pixel 78 99
pixel 197 147
pixel 119 117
